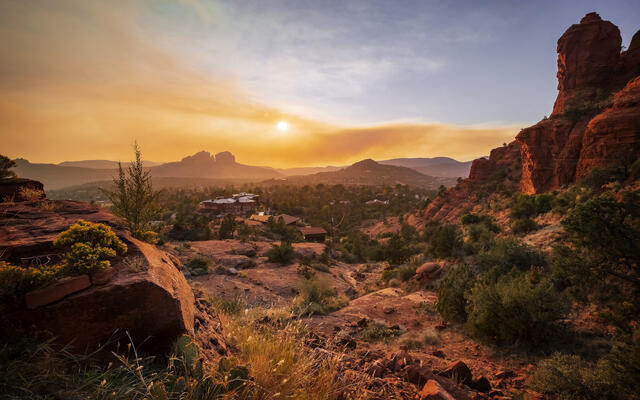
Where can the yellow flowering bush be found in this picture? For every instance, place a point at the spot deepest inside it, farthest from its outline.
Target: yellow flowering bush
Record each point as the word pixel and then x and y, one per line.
pixel 91 246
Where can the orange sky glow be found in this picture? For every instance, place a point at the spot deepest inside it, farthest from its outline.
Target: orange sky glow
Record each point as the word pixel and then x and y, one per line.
pixel 86 84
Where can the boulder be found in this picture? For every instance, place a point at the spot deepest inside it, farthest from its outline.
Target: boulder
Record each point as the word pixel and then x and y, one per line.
pixel 458 371
pixel 432 390
pixel 153 306
pixel 57 291
pixel 12 189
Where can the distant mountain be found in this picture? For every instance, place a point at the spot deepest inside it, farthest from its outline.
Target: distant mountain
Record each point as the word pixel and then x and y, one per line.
pixel 57 176
pixel 205 165
pixel 102 164
pixel 307 170
pixel 437 166
pixel 200 167
pixel 369 172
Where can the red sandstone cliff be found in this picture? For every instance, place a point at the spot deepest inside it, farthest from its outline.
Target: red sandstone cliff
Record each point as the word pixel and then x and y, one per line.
pixel 595 122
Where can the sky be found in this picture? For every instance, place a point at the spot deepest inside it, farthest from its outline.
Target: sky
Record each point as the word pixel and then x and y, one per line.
pixel 279 83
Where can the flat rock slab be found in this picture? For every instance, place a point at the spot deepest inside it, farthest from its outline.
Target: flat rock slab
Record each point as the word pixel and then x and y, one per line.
pixel 58 291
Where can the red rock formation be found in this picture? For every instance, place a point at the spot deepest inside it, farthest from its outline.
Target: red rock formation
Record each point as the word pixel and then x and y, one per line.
pixel 583 131
pixel 562 149
pixel 588 58
pixel 502 166
pixel 154 305
pixel 11 189
pixel 613 137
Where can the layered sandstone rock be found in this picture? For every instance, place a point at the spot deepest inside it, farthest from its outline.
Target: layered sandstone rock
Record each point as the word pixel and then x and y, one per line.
pixel 13 189
pixel 613 137
pixel 151 304
pixel 588 59
pixel 586 129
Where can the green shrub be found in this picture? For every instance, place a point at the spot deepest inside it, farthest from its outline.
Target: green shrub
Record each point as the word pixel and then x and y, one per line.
pixel 282 254
pixel 316 296
pixel 402 273
pixel 451 293
pixel 91 246
pixel 515 309
pixel 469 219
pixel 568 377
pixel 523 206
pixel 508 253
pixel 375 332
pixel 523 226
pixel 479 238
pixel 544 202
pixel 199 263
pixel 600 176
pixel 417 340
pixel 444 241
pixel 16 281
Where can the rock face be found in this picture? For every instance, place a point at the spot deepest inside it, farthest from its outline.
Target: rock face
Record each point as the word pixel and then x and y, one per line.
pixel 11 189
pixel 153 305
pixel 588 58
pixel 586 129
pixel 501 167
pixel 613 136
pixel 595 122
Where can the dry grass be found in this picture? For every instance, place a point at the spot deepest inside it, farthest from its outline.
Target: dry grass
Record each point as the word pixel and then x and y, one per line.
pixel 31 194
pixel 281 364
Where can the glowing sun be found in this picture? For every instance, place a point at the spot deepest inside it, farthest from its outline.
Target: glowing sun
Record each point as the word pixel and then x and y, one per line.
pixel 282 126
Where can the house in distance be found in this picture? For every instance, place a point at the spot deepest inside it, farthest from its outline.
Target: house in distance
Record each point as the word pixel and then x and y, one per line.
pixel 313 234
pixel 239 204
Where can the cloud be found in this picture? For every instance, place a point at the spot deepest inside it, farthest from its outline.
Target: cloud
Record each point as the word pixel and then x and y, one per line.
pixel 82 80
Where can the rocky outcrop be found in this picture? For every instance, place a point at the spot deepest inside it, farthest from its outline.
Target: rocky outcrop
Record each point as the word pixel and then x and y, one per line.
pixel 586 129
pixel 588 60
pixel 595 123
pixel 14 189
pixel 147 298
pixel 613 137
pixel 502 167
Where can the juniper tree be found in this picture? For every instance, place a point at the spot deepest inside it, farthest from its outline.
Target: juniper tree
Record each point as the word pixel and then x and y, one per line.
pixel 133 196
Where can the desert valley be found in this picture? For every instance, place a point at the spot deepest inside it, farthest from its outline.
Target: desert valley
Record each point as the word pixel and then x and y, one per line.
pixel 512 276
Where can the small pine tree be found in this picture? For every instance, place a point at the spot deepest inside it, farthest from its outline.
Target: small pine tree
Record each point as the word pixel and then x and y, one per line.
pixel 133 196
pixel 227 227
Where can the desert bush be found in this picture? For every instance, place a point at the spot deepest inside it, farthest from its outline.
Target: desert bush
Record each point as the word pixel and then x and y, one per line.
pixel 469 219
pixel 375 332
pixel 600 176
pixel 444 241
pixel 523 206
pixel 316 296
pixel 523 226
pixel 508 253
pixel 568 377
pixel 90 247
pixel 417 340
pixel 478 238
pixel 452 303
pixel 321 267
pixel 282 254
pixel 402 273
pixel 199 263
pixel 16 280
pixel 515 309
pixel 30 193
pixel 227 227
pixel 305 271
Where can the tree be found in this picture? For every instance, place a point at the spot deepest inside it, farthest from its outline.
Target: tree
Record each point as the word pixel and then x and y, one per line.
pixel 133 197
pixel 227 226
pixel 5 167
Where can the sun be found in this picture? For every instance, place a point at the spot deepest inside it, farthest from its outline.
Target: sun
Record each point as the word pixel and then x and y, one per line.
pixel 282 126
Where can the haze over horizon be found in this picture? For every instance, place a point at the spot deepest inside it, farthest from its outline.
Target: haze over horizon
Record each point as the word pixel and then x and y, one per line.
pixel 276 83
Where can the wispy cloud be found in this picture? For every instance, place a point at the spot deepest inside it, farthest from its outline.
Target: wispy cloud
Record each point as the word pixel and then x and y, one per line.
pixel 82 79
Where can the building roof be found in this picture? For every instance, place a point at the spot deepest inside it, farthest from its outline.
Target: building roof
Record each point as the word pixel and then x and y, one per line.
pixel 312 230
pixel 288 219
